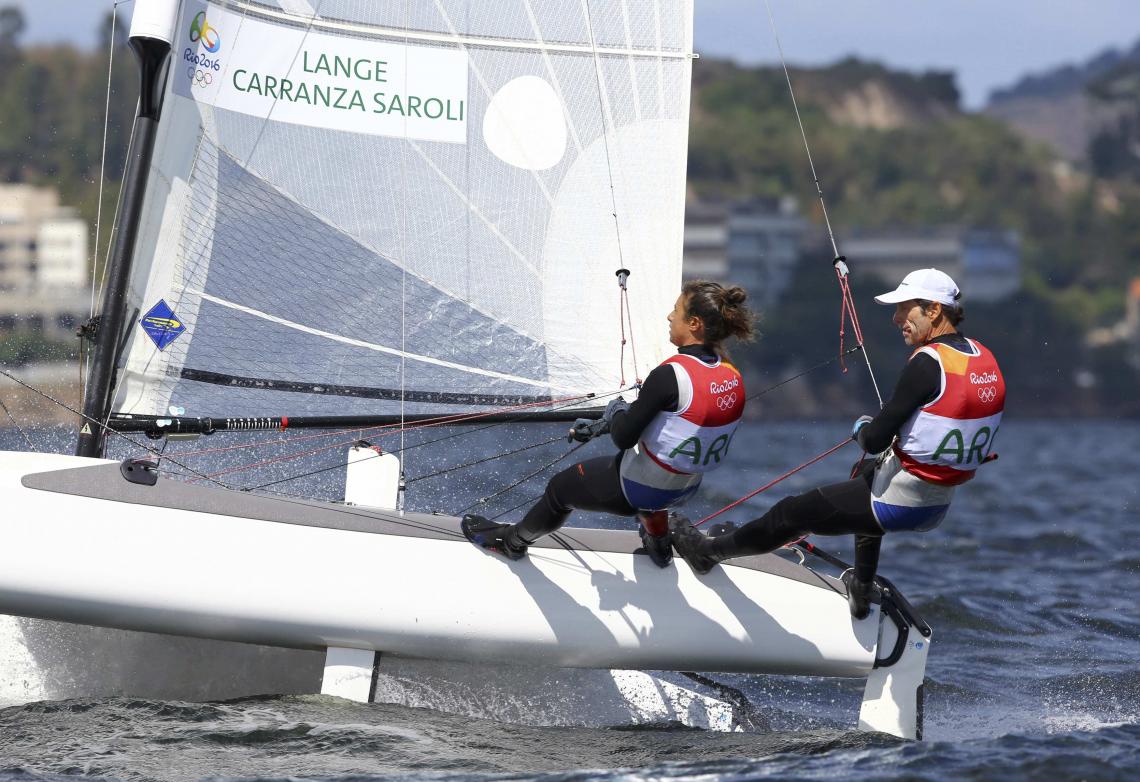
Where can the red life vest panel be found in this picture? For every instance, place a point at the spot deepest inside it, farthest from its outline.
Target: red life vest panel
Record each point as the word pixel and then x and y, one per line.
pixel 696 437
pixel 946 440
pixel 677 448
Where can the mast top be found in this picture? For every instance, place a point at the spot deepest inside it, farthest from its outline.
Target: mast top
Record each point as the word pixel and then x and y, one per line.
pixel 155 19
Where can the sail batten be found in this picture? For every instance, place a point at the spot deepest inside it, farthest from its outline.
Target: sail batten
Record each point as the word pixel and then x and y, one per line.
pixel 325 22
pixel 438 213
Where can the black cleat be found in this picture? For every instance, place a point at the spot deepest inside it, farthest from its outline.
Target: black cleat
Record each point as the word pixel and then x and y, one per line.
pixel 658 547
pixel 858 595
pixel 691 544
pixel 494 537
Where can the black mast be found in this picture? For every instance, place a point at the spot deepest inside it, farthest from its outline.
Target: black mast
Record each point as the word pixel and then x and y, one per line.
pixel 152 53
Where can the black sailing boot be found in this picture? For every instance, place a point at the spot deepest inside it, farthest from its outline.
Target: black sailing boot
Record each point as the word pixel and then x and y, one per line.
pixel 501 538
pixel 658 547
pixel 694 547
pixel 858 595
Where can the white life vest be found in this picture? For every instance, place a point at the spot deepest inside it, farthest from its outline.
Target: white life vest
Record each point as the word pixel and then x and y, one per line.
pixel 942 443
pixel 946 440
pixel 677 448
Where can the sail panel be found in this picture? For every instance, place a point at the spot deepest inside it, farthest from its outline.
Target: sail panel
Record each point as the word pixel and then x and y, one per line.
pixel 315 252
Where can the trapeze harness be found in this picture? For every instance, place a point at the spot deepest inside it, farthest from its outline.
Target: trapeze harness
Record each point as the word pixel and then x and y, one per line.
pixel 676 449
pixel 943 442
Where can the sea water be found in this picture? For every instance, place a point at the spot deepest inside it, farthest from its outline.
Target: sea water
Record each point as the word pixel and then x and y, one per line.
pixel 1030 585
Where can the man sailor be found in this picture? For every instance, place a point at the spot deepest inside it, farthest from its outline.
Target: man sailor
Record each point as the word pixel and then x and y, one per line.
pixel 937 428
pixel 679 428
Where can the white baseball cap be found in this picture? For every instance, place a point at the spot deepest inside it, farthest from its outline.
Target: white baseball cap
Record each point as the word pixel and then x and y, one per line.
pixel 927 284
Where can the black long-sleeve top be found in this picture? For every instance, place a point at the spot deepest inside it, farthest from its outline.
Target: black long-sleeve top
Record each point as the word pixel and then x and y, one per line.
pixel 919 384
pixel 659 393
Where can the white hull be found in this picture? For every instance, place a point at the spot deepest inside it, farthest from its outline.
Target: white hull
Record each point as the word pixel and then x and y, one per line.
pixel 79 543
pixel 158 568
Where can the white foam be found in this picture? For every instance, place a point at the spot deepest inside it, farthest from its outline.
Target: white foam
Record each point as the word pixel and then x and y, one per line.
pixel 42 660
pixel 20 678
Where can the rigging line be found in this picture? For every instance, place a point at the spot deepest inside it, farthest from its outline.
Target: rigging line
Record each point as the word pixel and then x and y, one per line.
pixel 485 459
pixel 632 343
pixel 69 408
pixel 815 177
pixel 862 344
pixel 298 455
pixel 527 501
pixel 300 47
pixel 803 133
pixel 621 354
pixel 556 83
pixel 110 243
pixel 774 481
pixel 340 465
pixel 629 61
pixel 520 481
pixel 404 259
pixel 605 131
pixel 457 419
pixel 103 157
pixel 820 365
pixel 19 428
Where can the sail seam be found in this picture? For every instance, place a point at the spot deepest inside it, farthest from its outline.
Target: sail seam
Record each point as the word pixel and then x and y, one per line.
pixel 363 392
pixel 550 69
pixel 466 40
pixel 373 346
pixel 474 209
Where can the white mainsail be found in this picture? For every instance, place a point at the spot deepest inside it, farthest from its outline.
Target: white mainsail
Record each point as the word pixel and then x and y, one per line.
pixel 358 205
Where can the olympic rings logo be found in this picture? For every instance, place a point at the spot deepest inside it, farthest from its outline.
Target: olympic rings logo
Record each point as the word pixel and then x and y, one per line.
pixel 726 402
pixel 987 394
pixel 200 30
pixel 200 77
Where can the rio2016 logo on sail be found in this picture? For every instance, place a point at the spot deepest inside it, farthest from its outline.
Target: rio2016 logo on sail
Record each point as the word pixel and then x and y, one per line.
pixel 200 30
pixel 200 64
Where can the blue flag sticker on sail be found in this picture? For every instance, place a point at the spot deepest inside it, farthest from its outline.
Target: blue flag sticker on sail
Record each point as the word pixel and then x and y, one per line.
pixel 162 325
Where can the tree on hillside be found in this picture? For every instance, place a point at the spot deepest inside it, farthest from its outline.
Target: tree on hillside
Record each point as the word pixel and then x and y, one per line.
pixel 11 28
pixel 112 25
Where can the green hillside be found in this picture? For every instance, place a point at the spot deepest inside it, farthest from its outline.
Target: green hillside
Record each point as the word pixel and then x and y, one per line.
pixel 891 149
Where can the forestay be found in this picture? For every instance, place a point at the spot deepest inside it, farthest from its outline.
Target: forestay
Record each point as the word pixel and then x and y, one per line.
pixel 360 207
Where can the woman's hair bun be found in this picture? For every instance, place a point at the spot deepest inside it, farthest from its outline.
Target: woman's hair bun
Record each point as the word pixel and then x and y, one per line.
pixel 735 295
pixel 722 310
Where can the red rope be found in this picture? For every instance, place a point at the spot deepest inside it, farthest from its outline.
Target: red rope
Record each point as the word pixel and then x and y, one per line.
pixel 842 323
pixel 632 344
pixel 773 482
pixel 848 309
pixel 621 322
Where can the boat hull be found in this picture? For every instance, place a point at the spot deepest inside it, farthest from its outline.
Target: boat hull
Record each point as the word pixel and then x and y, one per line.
pixel 80 543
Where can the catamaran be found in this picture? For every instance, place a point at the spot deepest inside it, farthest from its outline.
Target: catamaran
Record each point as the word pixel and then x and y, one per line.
pixel 400 215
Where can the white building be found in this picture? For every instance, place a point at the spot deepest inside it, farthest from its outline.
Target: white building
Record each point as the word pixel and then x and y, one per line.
pixel 985 264
pixel 765 237
pixel 42 245
pixel 706 242
pixel 755 244
pixel 61 252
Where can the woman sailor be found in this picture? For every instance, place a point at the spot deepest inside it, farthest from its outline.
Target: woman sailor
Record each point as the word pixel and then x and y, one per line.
pixel 680 428
pixel 934 432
